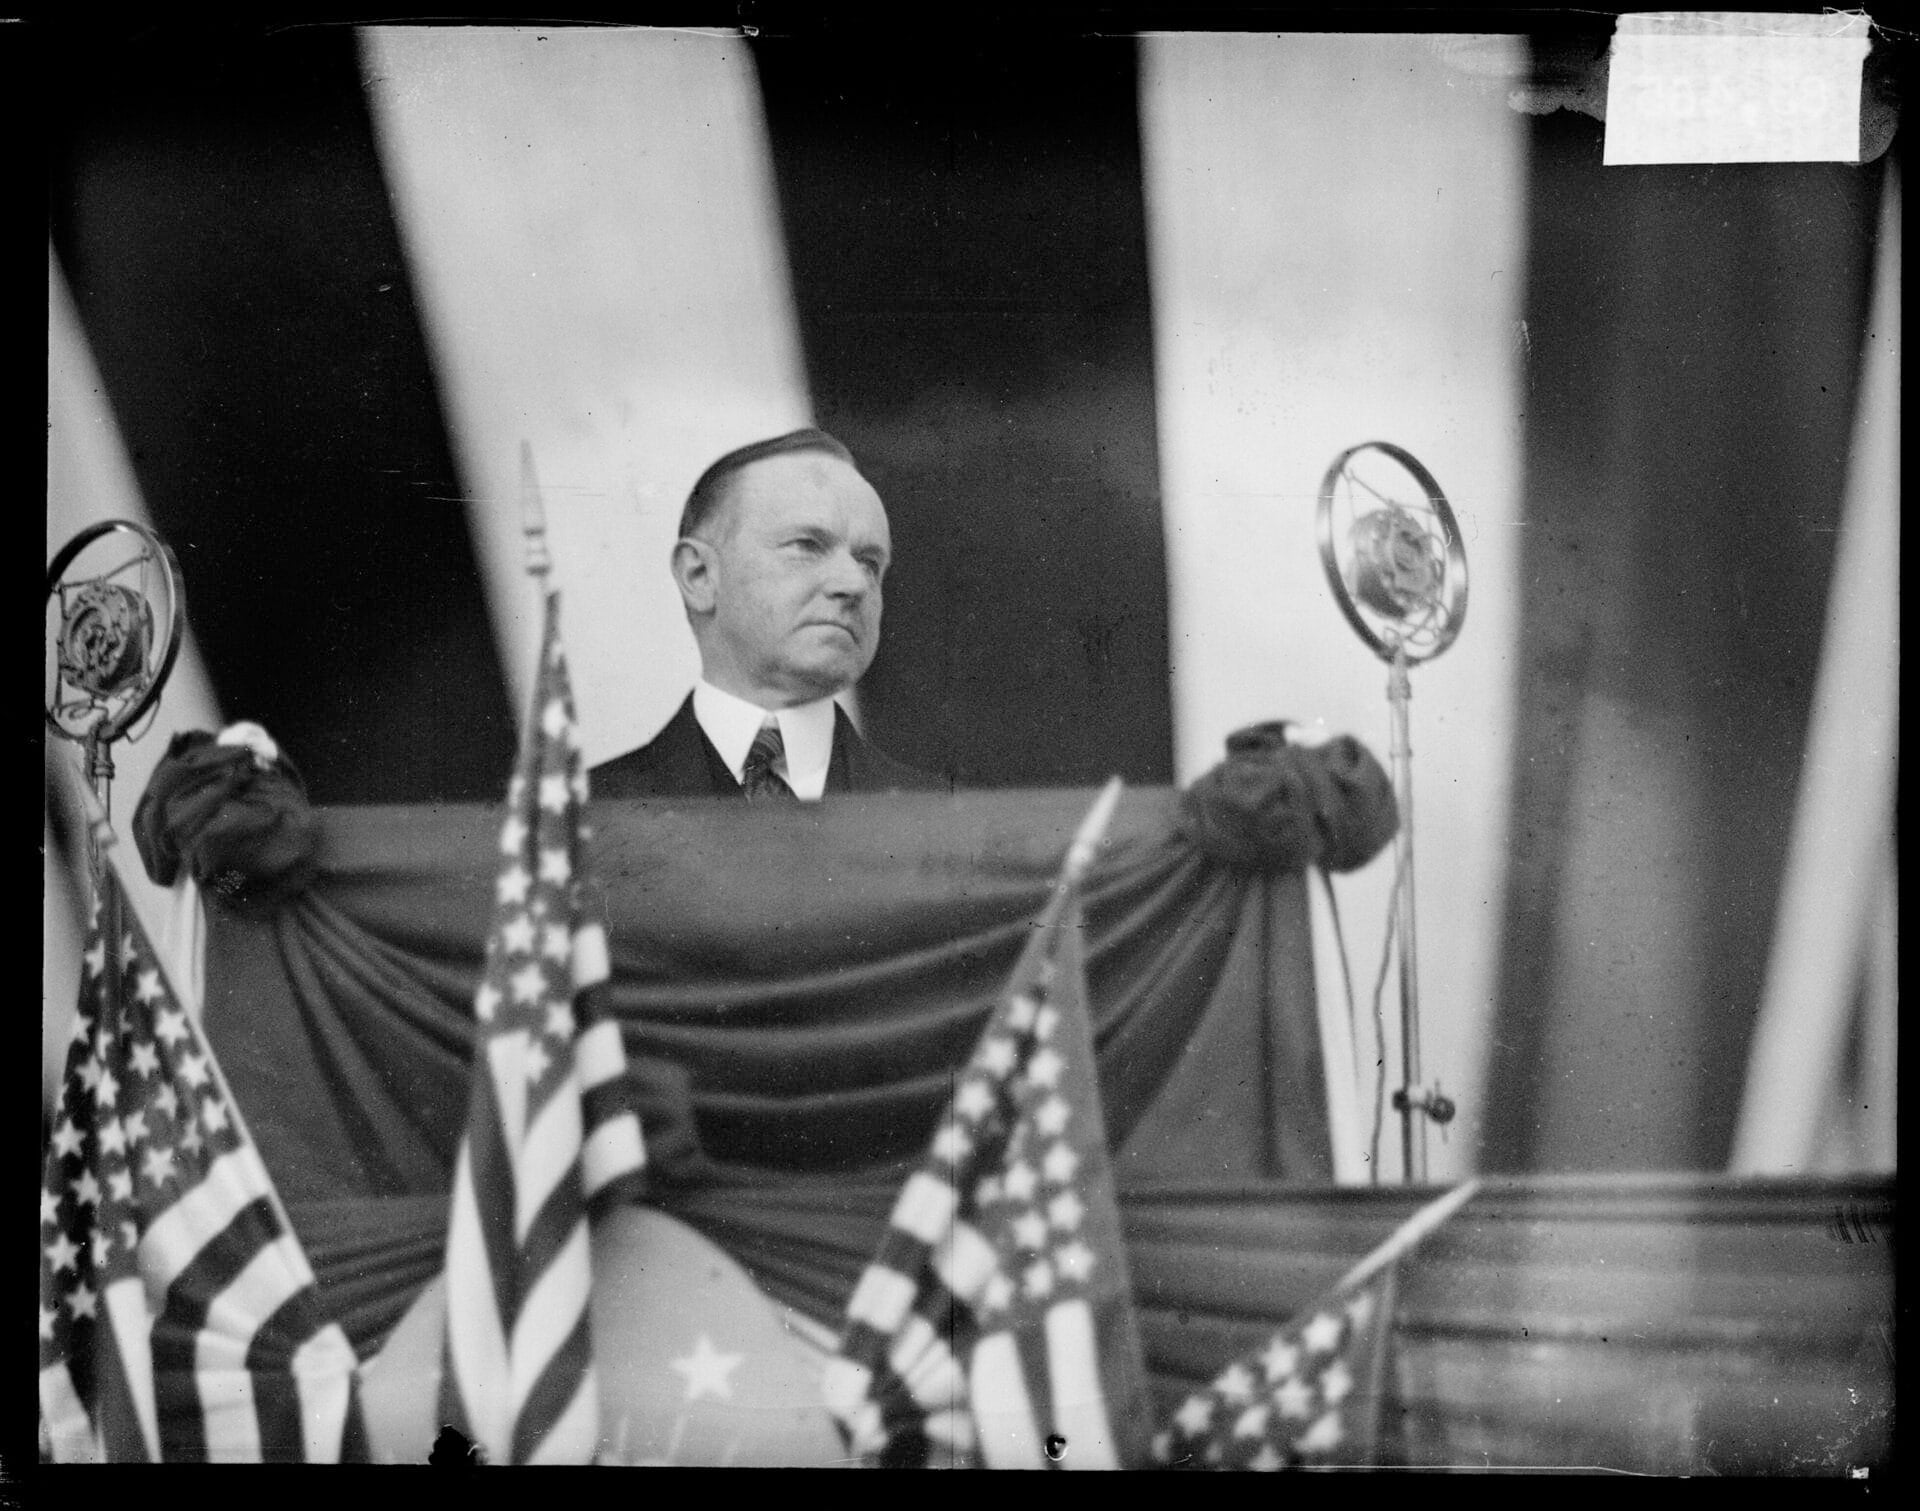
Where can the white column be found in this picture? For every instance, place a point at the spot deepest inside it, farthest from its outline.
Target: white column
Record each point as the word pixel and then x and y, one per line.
pixel 1830 939
pixel 590 222
pixel 90 480
pixel 1336 245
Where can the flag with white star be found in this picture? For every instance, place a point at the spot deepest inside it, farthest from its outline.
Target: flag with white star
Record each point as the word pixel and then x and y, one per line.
pixel 552 1133
pixel 995 1327
pixel 179 1320
pixel 1311 1396
pixel 1308 1398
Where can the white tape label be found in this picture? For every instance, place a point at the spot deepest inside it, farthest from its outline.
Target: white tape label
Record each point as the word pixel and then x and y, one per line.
pixel 1735 87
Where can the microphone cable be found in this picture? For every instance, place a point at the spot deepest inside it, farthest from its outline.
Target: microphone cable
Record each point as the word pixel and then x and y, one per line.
pixel 1379 1021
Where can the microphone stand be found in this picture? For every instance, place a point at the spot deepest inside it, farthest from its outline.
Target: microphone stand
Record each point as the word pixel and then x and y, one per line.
pixel 1413 1146
pixel 1433 604
pixel 1414 1102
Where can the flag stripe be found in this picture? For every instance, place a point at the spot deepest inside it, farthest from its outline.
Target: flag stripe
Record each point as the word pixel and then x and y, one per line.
pixel 67 1422
pixel 1079 1410
pixel 490 1167
pixel 559 1417
pixel 613 1151
pixel 196 1293
pixel 1002 1408
pixel 555 1243
pixel 354 1445
pixel 506 1057
pixel 475 1388
pixel 548 1186
pixel 964 1261
pixel 127 1382
pixel 232 1185
pixel 279 1419
pixel 231 1412
pixel 326 1371
pixel 926 1207
pixel 557 1296
pixel 600 1056
pixel 490 1220
pixel 267 1289
pixel 194 1408
pixel 289 1346
pixel 590 966
pixel 924 1362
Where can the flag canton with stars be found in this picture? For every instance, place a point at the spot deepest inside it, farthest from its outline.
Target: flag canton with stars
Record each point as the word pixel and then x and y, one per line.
pixel 529 982
pixel 1308 1398
pixel 1008 1223
pixel 141 1120
pixel 1017 1106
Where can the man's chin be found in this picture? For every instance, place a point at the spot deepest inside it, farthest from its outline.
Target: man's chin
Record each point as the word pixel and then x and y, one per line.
pixel 822 679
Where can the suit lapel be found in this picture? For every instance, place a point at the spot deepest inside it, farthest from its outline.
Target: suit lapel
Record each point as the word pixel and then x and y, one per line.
pixel 848 754
pixel 694 765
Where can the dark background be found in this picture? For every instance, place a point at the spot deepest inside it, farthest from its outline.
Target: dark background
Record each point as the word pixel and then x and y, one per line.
pixel 1690 398
pixel 984 343
pixel 218 209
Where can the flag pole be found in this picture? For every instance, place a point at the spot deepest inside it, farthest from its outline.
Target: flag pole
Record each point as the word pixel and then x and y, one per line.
pixel 1091 834
pixel 105 842
pixel 1409 1233
pixel 1086 843
pixel 533 518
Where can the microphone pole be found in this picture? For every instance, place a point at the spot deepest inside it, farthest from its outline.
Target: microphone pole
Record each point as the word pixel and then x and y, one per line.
pixel 1413 1101
pixel 1413 1127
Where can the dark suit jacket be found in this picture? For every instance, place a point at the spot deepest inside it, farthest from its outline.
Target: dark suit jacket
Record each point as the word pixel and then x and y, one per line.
pixel 680 761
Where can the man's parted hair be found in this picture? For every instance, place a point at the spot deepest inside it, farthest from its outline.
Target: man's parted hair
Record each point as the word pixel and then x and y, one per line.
pixel 710 492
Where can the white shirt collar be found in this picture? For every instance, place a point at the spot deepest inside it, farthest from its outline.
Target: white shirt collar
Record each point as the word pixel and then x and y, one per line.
pixel 806 731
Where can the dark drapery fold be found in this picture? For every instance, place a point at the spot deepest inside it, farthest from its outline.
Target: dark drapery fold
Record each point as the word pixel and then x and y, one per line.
pixel 795 988
pixel 239 824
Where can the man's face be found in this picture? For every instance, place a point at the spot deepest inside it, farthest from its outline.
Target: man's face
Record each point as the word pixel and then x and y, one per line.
pixel 794 560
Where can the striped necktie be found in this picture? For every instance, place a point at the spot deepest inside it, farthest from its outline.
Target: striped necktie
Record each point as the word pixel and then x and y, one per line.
pixel 758 777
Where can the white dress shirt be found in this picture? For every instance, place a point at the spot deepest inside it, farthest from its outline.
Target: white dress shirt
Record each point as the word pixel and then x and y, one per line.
pixel 807 732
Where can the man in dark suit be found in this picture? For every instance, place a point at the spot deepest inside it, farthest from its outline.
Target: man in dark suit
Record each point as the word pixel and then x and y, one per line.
pixel 783 546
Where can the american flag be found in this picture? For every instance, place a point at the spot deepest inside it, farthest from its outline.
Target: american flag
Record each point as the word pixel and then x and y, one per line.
pixel 179 1320
pixel 1310 1397
pixel 995 1327
pixel 551 1131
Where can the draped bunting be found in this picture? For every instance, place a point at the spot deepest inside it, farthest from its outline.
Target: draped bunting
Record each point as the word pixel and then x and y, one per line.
pixel 794 987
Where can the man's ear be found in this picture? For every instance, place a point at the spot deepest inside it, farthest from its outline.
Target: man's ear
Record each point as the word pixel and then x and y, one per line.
pixel 694 571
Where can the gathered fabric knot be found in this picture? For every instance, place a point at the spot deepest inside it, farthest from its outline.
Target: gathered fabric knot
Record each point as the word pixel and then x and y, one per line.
pixel 233 813
pixel 1275 806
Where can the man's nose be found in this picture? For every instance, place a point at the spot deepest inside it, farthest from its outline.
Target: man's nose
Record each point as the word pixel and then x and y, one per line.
pixel 846 578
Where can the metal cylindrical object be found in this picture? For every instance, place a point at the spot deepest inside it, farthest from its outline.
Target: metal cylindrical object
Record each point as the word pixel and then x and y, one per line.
pixel 1413 1123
